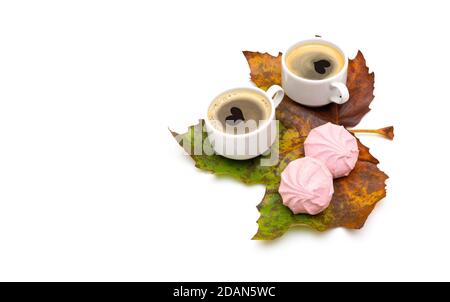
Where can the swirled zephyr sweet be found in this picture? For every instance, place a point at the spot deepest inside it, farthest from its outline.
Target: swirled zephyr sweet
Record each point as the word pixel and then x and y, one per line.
pixel 334 146
pixel 306 186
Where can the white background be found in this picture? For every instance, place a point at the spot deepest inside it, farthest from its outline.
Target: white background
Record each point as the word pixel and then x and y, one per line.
pixel 94 188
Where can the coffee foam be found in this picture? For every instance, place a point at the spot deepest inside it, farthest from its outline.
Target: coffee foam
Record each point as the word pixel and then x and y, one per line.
pixel 254 107
pixel 315 61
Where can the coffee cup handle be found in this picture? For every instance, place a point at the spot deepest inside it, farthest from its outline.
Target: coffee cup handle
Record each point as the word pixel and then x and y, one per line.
pixel 342 93
pixel 276 94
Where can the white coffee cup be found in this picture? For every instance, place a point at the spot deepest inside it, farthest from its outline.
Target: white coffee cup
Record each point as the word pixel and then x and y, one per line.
pixel 243 145
pixel 315 93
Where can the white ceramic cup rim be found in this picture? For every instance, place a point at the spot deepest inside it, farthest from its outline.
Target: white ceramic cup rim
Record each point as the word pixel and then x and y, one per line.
pixel 261 128
pixel 320 41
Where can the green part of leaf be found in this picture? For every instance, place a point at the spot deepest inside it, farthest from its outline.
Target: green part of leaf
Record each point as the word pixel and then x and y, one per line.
pixel 250 171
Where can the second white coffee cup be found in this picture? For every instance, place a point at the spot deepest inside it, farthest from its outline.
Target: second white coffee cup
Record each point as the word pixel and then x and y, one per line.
pixel 315 92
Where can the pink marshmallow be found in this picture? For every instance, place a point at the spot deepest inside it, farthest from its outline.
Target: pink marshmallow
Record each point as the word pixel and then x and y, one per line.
pixel 334 146
pixel 306 186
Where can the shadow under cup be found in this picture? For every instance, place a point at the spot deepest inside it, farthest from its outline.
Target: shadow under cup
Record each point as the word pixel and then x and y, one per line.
pixel 240 123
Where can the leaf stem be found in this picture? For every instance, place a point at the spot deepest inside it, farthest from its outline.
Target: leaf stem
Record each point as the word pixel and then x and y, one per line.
pixel 387 132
